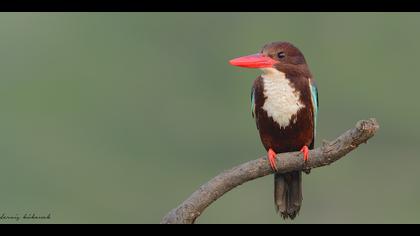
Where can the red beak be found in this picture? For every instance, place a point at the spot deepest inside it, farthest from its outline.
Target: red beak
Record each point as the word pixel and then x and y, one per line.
pixel 254 61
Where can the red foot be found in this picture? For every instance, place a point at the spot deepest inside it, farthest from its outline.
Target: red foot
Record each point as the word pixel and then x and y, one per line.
pixel 272 159
pixel 305 151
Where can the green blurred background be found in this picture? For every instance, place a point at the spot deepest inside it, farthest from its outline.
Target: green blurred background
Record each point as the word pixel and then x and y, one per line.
pixel 118 117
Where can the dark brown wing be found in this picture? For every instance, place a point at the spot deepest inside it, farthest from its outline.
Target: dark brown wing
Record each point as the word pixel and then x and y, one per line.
pixel 257 88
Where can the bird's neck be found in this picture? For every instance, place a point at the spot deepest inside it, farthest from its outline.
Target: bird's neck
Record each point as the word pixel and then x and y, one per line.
pixel 272 73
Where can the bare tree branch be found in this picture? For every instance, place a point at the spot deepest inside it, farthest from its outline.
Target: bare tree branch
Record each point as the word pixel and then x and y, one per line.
pixel 191 208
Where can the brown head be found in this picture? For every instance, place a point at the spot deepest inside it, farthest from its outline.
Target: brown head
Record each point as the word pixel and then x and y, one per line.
pixel 283 56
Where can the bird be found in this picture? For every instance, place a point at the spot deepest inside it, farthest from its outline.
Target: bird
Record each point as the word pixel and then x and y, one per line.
pixel 284 105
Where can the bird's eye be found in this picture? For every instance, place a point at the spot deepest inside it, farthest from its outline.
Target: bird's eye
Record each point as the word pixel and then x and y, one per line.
pixel 281 55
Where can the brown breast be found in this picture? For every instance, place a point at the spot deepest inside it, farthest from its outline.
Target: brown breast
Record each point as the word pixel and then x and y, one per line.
pixel 299 131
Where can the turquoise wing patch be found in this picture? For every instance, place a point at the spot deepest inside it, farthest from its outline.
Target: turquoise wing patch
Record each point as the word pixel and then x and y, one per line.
pixel 314 94
pixel 253 103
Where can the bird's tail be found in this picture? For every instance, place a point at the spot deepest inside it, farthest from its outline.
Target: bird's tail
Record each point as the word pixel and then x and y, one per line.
pixel 288 193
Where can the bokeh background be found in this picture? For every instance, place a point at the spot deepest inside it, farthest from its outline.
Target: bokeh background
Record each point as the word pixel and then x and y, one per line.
pixel 118 117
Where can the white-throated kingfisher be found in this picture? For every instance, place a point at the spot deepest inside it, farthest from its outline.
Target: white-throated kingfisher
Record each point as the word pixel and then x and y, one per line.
pixel 284 104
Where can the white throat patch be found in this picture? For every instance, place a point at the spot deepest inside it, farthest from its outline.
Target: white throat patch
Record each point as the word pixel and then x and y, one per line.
pixel 282 100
